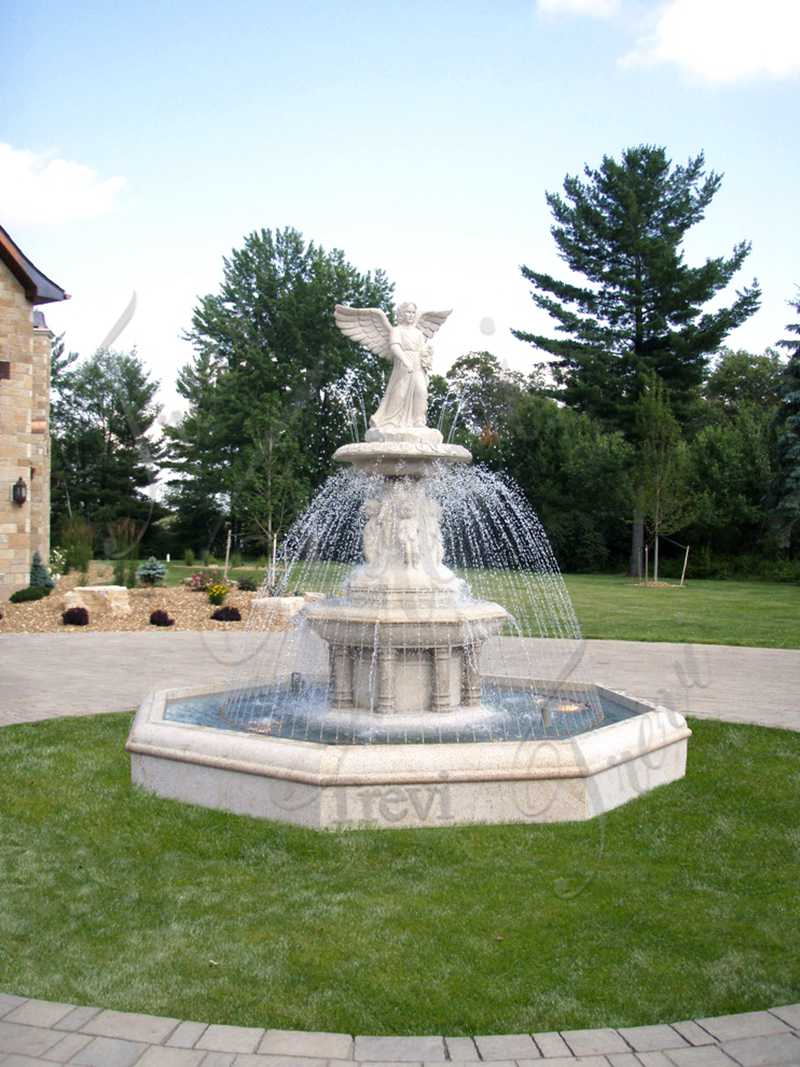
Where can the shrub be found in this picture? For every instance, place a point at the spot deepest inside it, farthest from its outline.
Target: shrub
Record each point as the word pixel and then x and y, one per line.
pixel 188 557
pixel 131 567
pixel 151 572
pixel 247 585
pixel 217 592
pixel 119 571
pixel 199 581
pixel 227 615
pixel 77 540
pixel 32 592
pixel 236 559
pixel 75 617
pixel 40 575
pixel 161 618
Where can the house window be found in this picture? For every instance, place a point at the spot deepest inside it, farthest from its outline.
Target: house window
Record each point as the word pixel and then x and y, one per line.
pixel 5 369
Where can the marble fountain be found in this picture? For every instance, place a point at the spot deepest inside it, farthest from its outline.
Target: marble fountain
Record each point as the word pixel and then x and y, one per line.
pixel 434 679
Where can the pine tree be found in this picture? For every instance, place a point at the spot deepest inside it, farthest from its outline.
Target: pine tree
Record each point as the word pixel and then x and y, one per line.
pixel 642 309
pixel 787 505
pixel 151 572
pixel 104 453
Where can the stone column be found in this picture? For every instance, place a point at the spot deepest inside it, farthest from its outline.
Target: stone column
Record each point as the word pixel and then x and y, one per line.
pixel 440 698
pixel 341 677
pixel 16 404
pixel 385 701
pixel 470 677
pixel 40 443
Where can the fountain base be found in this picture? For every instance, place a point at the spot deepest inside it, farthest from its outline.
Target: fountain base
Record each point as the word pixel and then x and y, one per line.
pixel 388 786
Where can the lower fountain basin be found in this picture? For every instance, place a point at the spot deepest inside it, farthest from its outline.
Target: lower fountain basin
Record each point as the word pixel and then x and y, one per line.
pixel 390 785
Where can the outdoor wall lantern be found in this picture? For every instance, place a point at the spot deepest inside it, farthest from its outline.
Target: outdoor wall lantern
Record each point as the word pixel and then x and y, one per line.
pixel 19 494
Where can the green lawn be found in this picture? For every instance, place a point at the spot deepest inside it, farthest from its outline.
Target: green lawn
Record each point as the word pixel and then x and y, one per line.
pixel 760 614
pixel 681 904
pixel 757 613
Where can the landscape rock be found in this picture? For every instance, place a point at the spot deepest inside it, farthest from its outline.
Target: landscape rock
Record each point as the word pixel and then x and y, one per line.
pixel 111 598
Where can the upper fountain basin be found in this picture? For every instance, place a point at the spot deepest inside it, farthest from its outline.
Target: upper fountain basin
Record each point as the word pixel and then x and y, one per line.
pixel 408 454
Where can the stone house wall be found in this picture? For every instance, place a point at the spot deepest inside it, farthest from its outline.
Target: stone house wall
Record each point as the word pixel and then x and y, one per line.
pixel 24 434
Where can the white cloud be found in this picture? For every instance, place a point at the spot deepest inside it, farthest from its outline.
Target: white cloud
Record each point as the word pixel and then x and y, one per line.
pixel 596 8
pixel 724 40
pixel 38 188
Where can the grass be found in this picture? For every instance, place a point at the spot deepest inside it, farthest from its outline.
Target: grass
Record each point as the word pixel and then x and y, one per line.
pixel 681 904
pixel 758 614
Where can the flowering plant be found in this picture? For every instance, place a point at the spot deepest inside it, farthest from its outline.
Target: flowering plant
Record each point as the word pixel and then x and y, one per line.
pixel 58 563
pixel 198 581
pixel 217 592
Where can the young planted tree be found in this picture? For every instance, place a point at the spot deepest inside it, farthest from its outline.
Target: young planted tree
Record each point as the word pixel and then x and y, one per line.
pixel 635 306
pixel 270 485
pixel 40 575
pixel 661 474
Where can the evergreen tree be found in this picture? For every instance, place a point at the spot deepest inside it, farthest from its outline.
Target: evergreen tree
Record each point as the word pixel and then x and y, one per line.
pixel 151 572
pixel 268 357
pixel 787 493
pixel 642 310
pixel 40 575
pixel 104 455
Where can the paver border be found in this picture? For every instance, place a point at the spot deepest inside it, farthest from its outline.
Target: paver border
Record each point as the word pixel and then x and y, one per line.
pixel 34 1031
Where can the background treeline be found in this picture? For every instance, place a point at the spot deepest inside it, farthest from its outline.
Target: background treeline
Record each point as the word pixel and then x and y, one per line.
pixel 636 422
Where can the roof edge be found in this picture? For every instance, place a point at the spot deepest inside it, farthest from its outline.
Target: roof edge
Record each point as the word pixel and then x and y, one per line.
pixel 39 289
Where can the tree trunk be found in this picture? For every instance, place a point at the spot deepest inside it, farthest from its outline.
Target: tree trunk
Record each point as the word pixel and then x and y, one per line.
pixel 655 558
pixel 637 547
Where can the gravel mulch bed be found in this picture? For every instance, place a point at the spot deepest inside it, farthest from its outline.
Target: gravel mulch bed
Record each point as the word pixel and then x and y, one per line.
pixel 190 610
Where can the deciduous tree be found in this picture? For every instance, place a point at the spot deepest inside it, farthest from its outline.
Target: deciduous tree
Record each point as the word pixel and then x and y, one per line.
pixel 267 342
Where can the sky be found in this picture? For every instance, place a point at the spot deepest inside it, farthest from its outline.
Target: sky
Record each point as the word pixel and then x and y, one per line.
pixel 140 144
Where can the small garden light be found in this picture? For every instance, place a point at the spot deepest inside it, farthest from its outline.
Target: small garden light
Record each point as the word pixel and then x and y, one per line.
pixel 19 493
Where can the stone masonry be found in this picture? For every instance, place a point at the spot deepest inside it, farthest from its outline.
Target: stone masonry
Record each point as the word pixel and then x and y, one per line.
pixel 25 348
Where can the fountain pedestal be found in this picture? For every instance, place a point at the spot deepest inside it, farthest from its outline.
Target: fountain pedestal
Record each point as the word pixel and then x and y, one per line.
pixel 406 637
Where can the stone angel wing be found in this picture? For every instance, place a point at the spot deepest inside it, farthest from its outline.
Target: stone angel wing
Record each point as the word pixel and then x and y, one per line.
pixel 368 326
pixel 430 321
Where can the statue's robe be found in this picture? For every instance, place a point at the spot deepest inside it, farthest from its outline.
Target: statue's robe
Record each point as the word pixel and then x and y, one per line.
pixel 405 401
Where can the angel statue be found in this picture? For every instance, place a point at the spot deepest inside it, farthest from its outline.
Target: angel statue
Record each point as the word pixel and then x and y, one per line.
pixel 405 403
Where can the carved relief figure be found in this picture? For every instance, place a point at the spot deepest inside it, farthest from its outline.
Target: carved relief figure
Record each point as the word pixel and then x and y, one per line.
pixel 405 402
pixel 371 538
pixel 406 527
